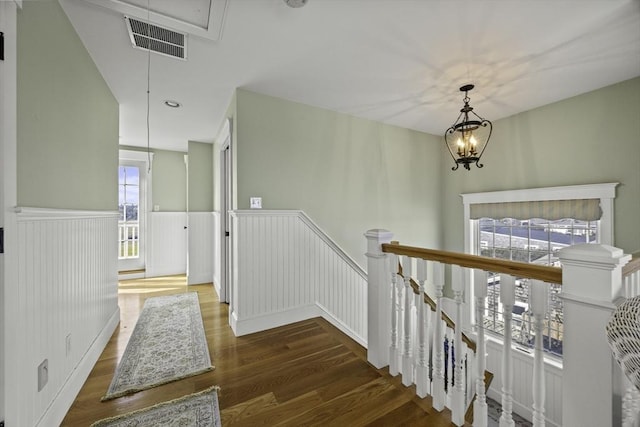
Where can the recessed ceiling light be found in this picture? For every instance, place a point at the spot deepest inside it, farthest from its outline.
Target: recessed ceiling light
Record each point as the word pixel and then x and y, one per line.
pixel 172 104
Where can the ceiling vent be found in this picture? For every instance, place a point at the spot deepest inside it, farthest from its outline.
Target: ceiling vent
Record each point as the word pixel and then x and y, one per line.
pixel 157 39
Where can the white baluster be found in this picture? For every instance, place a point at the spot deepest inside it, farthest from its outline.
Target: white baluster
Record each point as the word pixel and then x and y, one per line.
pixel 430 320
pixel 507 297
pixel 407 365
pixel 470 375
pixel 393 349
pixel 539 304
pixel 422 367
pixel 457 395
pixel 438 394
pixel 480 405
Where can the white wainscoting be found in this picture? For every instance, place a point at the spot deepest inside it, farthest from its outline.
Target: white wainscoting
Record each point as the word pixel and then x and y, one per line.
pixel 167 248
pixel 67 308
pixel 523 383
pixel 286 269
pixel 217 273
pixel 201 239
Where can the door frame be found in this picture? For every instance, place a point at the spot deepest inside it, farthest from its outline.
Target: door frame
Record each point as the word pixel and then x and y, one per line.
pixel 11 361
pixel 226 205
pixel 143 160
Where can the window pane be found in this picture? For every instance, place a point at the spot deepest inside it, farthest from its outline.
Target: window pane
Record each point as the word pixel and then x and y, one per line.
pixel 132 194
pixel 532 241
pixel 133 175
pixel 120 174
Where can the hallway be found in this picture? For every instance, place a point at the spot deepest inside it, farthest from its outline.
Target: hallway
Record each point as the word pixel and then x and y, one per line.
pixel 307 373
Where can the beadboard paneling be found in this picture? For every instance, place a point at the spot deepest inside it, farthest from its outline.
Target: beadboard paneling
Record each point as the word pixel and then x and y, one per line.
pixel 217 273
pixel 287 269
pixel 201 240
pixel 522 383
pixel 67 288
pixel 168 244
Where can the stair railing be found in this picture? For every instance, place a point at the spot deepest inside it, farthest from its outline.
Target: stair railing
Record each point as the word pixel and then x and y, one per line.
pixel 418 342
pixel 452 374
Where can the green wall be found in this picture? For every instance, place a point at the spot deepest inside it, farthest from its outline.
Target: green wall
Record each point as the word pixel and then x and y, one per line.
pixel 169 178
pixel 67 118
pixel 200 177
pixel 591 138
pixel 348 174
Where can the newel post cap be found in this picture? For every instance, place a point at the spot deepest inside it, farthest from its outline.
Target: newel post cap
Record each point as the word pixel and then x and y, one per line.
pixel 592 272
pixel 375 238
pixel 595 255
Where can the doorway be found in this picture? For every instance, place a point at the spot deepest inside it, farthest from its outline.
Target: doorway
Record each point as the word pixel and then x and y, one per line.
pixel 226 205
pixel 132 207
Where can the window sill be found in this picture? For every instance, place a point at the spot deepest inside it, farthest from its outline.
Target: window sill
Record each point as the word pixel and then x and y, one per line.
pixel 523 352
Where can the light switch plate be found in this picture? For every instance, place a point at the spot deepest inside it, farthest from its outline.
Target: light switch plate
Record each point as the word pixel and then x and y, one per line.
pixel 43 374
pixel 256 203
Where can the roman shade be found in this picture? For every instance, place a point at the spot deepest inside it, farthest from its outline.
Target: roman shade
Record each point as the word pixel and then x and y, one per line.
pixel 580 209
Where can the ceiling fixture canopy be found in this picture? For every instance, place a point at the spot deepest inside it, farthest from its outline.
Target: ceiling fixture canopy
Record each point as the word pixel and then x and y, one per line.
pixel 295 3
pixel 467 138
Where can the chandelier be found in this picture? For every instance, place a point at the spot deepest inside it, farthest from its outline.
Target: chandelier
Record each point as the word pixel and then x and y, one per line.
pixel 467 138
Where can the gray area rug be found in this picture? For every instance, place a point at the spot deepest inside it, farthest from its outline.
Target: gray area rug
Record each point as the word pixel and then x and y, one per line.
pixel 167 344
pixel 197 410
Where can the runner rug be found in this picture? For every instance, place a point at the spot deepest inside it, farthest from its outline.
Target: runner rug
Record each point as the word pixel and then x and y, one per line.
pixel 167 344
pixel 197 410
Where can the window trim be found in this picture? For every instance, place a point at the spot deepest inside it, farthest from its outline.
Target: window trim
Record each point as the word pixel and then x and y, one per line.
pixel 606 192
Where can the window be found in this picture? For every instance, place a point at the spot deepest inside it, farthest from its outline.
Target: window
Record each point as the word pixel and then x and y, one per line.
pixel 532 226
pixel 128 204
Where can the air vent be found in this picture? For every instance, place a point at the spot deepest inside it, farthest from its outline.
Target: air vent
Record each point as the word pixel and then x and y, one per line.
pixel 157 39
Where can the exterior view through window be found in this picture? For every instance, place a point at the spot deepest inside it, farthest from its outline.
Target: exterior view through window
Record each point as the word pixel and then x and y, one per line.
pixel 533 241
pixel 128 202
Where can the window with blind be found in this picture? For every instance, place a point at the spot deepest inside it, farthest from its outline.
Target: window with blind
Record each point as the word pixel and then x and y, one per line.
pixel 532 226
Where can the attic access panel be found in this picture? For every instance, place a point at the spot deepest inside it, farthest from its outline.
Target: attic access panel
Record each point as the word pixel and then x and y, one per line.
pixel 147 36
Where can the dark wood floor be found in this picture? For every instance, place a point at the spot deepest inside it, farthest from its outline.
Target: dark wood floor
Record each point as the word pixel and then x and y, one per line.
pixel 303 374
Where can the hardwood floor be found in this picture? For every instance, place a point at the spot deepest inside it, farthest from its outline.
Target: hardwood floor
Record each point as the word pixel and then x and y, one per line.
pixel 307 373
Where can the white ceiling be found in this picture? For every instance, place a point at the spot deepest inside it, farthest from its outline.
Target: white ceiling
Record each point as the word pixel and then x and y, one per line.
pixel 396 61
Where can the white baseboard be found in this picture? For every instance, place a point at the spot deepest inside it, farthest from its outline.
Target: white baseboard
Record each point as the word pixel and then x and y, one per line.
pixel 342 326
pixel 60 405
pixel 274 320
pixel 200 279
pixel 216 286
pixel 132 276
pixel 281 318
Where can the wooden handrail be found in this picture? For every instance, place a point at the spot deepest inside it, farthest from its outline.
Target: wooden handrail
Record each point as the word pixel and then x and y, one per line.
pixel 432 305
pixel 632 266
pixel 495 265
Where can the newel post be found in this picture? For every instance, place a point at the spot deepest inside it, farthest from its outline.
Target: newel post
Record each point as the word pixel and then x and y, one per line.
pixel 591 282
pixel 378 299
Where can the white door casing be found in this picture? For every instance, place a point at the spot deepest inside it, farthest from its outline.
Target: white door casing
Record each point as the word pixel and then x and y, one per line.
pixel 226 196
pixel 141 160
pixel 10 360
